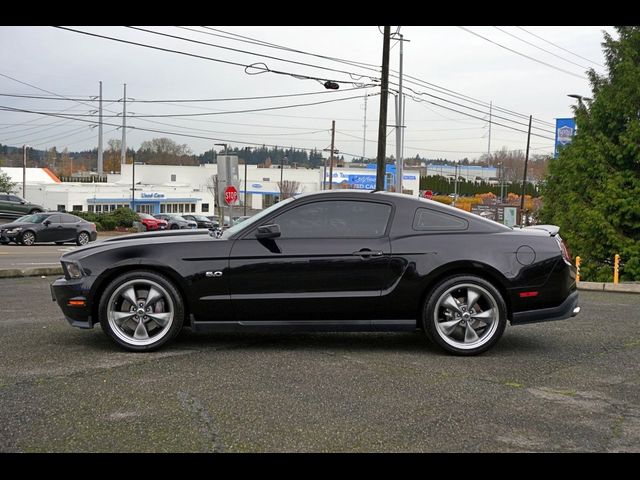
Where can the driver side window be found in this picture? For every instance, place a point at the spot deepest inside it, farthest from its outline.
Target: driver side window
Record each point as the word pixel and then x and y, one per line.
pixel 335 219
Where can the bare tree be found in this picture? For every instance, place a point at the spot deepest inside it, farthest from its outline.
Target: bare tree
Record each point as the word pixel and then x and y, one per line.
pixel 212 187
pixel 288 188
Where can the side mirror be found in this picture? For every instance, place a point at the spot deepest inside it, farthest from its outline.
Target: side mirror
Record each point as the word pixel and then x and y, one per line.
pixel 23 202
pixel 268 231
pixel 46 223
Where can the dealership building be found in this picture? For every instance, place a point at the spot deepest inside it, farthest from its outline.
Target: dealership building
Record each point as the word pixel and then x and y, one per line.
pixel 188 189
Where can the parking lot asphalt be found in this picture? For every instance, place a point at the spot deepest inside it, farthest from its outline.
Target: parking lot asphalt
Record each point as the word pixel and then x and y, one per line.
pixel 567 386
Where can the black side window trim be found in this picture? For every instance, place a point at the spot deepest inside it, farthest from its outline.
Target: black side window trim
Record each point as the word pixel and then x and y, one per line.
pixel 459 228
pixel 249 235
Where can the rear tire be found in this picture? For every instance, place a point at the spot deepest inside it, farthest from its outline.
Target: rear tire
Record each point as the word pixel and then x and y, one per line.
pixel 83 238
pixel 141 311
pixel 465 315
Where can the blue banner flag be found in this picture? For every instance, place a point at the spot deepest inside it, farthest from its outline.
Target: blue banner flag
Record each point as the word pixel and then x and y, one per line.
pixel 565 130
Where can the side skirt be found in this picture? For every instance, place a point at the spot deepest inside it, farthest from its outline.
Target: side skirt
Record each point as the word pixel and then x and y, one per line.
pixel 306 326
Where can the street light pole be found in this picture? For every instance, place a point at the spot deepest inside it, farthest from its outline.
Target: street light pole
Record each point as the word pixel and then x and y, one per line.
pixel 133 183
pixel 24 172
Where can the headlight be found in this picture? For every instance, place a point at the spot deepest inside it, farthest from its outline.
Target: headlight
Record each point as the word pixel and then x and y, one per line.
pixel 14 230
pixel 73 269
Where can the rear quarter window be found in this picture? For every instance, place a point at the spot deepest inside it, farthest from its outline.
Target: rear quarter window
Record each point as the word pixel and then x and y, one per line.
pixel 430 220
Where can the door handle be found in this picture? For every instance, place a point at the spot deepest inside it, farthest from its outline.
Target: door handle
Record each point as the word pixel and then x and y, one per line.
pixel 367 252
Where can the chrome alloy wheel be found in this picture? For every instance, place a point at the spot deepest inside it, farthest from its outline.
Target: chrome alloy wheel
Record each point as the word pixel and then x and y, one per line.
pixel 140 312
pixel 28 238
pixel 466 316
pixel 83 238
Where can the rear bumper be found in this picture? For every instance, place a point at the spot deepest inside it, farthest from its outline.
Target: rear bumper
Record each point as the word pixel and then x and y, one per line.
pixel 567 309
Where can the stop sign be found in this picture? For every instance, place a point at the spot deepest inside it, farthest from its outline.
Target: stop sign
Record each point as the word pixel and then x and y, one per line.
pixel 428 194
pixel 230 195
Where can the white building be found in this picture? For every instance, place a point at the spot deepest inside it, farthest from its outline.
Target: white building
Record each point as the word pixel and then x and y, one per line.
pixel 186 189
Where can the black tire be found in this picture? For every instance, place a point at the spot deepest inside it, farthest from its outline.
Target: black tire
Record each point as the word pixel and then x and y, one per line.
pixel 27 238
pixel 83 238
pixel 121 335
pixel 463 329
pixel 174 226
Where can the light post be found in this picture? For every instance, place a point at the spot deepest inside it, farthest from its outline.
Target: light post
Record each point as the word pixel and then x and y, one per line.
pixel 24 171
pixel 580 99
pixel 220 206
pixel 133 182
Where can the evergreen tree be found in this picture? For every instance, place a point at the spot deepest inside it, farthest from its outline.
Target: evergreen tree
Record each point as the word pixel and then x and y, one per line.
pixel 593 187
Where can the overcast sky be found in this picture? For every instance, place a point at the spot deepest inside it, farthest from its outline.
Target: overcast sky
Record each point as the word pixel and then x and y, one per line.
pixel 465 71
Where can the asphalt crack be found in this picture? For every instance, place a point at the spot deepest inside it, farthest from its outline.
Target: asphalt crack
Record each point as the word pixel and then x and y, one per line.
pixel 206 425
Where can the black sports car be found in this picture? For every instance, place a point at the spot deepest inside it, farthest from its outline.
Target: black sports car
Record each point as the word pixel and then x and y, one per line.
pixel 329 261
pixel 48 227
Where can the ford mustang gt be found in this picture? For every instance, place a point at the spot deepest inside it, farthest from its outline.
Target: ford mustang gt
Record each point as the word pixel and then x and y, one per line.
pixel 330 261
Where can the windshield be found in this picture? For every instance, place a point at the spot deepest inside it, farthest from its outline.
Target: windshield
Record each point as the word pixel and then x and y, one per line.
pixel 201 218
pixel 256 218
pixel 146 216
pixel 35 218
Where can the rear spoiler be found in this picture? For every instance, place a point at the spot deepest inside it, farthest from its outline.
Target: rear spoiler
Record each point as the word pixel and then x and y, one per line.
pixel 552 229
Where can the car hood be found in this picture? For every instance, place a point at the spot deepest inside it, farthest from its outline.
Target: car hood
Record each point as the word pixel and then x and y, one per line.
pixel 147 240
pixel 8 226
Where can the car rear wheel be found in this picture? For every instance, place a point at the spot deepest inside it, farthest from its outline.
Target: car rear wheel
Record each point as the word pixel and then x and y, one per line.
pixel 175 226
pixel 28 238
pixel 465 315
pixel 83 238
pixel 141 311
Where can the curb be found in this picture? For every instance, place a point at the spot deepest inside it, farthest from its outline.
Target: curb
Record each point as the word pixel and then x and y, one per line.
pixel 610 287
pixel 29 272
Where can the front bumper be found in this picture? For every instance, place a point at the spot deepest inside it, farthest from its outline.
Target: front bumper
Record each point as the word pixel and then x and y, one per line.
pixel 567 309
pixel 64 292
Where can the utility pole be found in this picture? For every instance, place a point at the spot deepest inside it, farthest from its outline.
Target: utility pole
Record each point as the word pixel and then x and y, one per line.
pixel 382 125
pixel 333 138
pixel 364 126
pixel 100 160
pixel 524 179
pixel 489 146
pixel 24 172
pixel 245 187
pixel 399 124
pixel 455 186
pixel 123 147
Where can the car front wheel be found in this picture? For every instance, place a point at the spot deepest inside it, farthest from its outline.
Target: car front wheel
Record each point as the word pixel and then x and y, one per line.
pixel 465 315
pixel 141 311
pixel 28 238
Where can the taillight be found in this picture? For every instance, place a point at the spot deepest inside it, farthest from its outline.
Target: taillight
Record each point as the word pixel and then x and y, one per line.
pixel 566 253
pixel 93 226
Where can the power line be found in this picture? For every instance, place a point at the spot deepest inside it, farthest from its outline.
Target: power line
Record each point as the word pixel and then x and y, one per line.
pixel 561 48
pixel 368 66
pixel 524 55
pixel 132 127
pixel 247 67
pixel 251 53
pixel 540 48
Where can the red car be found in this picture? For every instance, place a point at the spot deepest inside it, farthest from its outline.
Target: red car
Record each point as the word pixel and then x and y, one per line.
pixel 152 223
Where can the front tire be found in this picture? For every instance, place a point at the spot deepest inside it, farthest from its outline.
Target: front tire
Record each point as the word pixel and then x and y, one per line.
pixel 141 311
pixel 465 315
pixel 28 238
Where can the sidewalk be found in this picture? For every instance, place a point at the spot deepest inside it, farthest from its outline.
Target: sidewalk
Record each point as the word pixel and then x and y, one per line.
pixel 610 287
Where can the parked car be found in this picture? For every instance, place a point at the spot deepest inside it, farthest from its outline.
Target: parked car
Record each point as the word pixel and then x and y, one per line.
pixel 13 206
pixel 329 261
pixel 49 227
pixel 151 223
pixel 201 221
pixel 175 222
